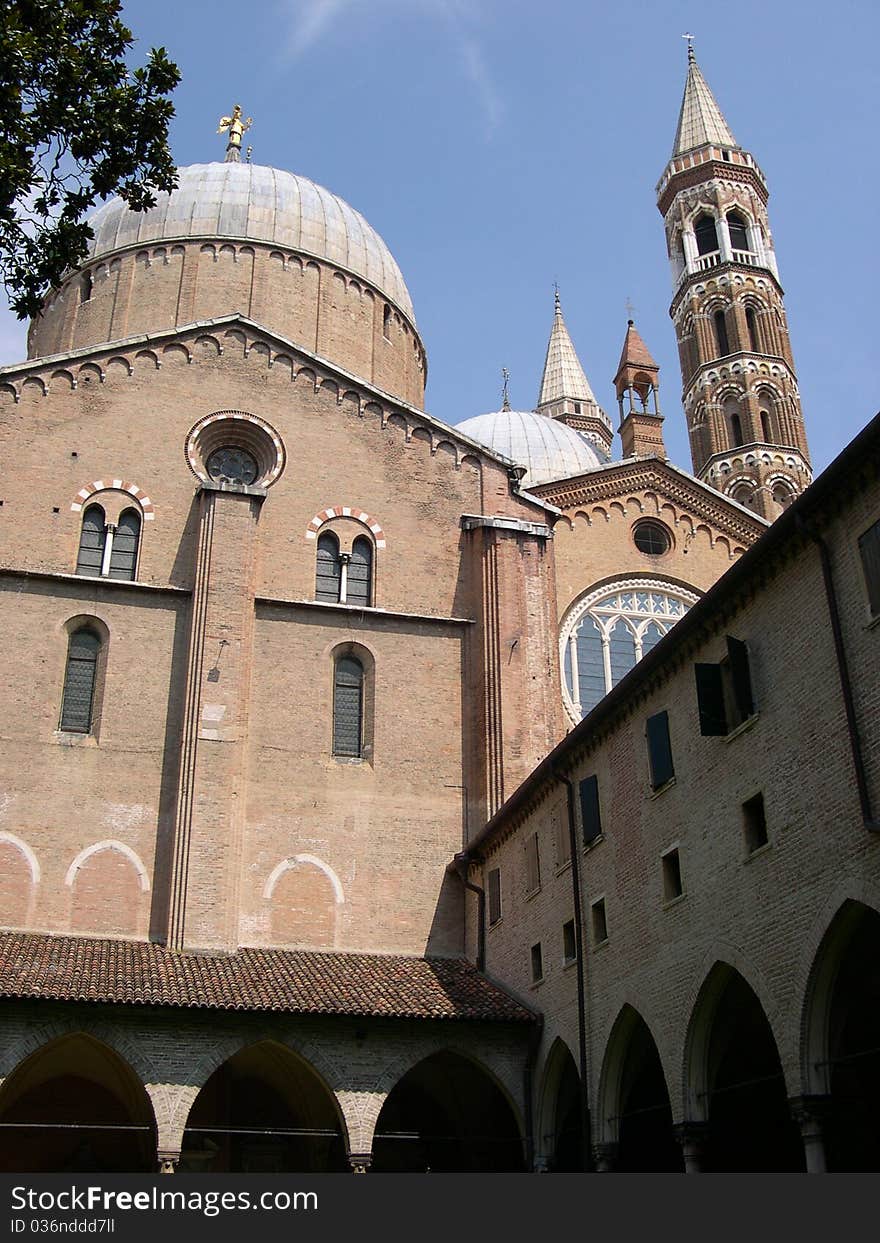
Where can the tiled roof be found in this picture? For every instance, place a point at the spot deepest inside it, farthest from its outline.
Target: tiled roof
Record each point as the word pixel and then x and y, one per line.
pixel 635 353
pixel 139 973
pixel 700 122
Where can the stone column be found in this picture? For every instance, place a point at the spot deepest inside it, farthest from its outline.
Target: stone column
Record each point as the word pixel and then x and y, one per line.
pixel 692 1137
pixel 203 906
pixel 809 1112
pixel 604 1158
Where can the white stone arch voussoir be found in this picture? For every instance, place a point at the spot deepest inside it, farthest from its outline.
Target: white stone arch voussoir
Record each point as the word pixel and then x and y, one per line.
pixel 109 843
pixel 287 865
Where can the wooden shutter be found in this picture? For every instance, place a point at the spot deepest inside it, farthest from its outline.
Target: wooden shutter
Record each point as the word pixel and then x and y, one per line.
pixel 741 677
pixel 659 750
pixel 710 700
pixel 590 816
pixel 123 554
pixel 494 888
pixel 91 542
pixel 348 696
pixel 869 547
pixel 360 572
pixel 327 574
pixel 79 681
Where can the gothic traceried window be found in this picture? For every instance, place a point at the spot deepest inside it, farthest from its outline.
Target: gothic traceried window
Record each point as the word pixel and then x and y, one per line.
pixel 609 631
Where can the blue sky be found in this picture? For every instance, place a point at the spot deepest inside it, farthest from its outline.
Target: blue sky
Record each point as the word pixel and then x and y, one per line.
pixel 499 146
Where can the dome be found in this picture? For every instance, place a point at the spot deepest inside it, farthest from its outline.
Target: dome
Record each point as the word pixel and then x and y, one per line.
pixel 260 204
pixel 547 448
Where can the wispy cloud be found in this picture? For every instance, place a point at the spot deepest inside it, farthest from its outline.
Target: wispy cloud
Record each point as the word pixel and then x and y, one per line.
pixel 314 20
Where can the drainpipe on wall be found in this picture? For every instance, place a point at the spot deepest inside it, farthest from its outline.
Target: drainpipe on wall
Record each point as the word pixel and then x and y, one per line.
pixel 461 862
pixel 855 743
pixel 581 967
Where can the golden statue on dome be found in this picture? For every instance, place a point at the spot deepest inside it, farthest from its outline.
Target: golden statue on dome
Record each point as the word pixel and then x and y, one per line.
pixel 236 125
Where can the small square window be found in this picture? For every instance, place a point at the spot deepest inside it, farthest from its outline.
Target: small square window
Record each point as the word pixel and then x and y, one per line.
pixel 494 889
pixel 537 963
pixel 569 942
pixel 533 864
pixel 672 886
pixel 600 922
pixel 754 823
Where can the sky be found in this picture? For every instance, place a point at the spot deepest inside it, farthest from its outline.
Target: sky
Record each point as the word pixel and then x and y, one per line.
pixel 499 146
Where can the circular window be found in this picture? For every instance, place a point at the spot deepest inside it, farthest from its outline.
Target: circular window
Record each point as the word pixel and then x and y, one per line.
pixel 651 538
pixel 230 464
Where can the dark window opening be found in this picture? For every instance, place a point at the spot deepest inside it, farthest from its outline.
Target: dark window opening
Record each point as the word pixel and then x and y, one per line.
pixel 752 328
pixel 537 963
pixel 360 573
pixel 739 231
pixel 348 704
pixel 577 407
pixel 79 681
pixel 721 334
pixel 672 886
pixel 599 920
pixel 651 538
pixel 754 823
pixel 706 235
pixel 386 322
pixel 590 814
pixel 85 287
pixel 869 549
pixel 569 942
pixel 91 542
pixel 533 864
pixel 765 427
pixel 659 750
pixel 724 691
pixel 493 887
pixel 124 551
pixel 328 569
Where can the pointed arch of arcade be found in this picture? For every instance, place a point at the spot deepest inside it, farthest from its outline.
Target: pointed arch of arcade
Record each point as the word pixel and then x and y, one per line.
pixel 734 1080
pixel 264 1109
pixel 558 1137
pixel 635 1113
pixel 75 1105
pixel 448 1113
pixel 840 1038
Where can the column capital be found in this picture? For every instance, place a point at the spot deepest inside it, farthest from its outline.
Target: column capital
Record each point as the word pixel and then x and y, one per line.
pixel 604 1157
pixel 360 1162
pixel 809 1108
pixel 166 1160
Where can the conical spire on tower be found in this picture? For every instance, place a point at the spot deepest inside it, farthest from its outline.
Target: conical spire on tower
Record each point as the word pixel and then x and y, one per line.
pixel 700 121
pixel 637 385
pixel 565 390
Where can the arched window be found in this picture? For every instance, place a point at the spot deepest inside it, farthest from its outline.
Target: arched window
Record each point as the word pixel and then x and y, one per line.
pixel 611 629
pixel 124 550
pixel 706 235
pixel 348 708
pixel 765 427
pixel 91 542
pixel 739 231
pixel 721 334
pixel 736 431
pixel 360 573
pixel 85 287
pixel 752 328
pixel 328 572
pixel 782 495
pixel 79 681
pixel 386 322
pixel 744 495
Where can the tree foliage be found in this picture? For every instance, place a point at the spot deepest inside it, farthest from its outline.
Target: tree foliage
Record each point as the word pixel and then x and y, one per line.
pixel 76 124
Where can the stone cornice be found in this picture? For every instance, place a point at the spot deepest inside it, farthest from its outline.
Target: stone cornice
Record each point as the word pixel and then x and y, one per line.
pixel 653 474
pixel 711 170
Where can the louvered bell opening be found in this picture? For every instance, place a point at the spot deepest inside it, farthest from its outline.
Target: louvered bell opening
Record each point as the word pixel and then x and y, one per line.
pixel 91 542
pixel 347 708
pixel 360 572
pixel 327 573
pixel 79 682
pixel 123 555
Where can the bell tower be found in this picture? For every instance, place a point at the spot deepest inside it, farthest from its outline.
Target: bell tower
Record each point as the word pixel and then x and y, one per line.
pixel 740 394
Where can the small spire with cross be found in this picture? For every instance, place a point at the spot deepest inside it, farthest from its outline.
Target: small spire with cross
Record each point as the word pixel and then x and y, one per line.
pixel 236 125
pixel 690 42
pixel 505 395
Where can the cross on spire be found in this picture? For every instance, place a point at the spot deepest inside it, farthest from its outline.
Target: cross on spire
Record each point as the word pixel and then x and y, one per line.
pixel 690 42
pixel 505 396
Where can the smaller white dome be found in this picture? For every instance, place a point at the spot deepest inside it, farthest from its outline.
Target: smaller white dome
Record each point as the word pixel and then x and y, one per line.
pixel 547 448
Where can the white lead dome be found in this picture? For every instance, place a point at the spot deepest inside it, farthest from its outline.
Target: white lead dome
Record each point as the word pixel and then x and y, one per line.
pixel 547 448
pixel 260 204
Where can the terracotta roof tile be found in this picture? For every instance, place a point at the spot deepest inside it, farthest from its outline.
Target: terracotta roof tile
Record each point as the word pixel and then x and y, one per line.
pixel 288 981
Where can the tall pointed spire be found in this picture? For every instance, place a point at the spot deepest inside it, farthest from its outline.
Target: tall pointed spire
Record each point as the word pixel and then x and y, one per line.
pixel 700 121
pixel 565 390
